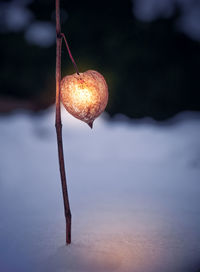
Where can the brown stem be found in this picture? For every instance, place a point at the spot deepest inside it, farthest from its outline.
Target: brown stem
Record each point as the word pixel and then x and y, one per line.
pixel 69 52
pixel 58 126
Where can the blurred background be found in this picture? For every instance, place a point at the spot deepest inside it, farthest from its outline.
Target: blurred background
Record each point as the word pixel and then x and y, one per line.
pixel 148 51
pixel 134 179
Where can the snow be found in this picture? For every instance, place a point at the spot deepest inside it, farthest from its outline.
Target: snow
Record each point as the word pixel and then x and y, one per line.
pixel 134 193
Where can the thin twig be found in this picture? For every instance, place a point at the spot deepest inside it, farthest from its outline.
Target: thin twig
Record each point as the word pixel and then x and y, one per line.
pixel 69 52
pixel 58 126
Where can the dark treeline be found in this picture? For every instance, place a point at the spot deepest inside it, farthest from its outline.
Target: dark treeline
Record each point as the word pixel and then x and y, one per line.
pixel 151 68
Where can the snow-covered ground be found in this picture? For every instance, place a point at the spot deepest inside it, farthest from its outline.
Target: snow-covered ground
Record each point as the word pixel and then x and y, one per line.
pixel 134 190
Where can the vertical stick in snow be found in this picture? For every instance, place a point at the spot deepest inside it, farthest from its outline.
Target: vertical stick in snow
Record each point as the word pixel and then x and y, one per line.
pixel 58 126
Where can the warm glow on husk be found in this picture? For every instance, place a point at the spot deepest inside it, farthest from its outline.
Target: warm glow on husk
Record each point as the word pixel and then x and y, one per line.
pixel 85 96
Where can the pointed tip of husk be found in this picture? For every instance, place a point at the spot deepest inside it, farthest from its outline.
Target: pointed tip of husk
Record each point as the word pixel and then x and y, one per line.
pixel 90 124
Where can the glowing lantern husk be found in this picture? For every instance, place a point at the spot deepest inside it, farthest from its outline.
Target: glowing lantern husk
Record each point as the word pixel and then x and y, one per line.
pixel 84 96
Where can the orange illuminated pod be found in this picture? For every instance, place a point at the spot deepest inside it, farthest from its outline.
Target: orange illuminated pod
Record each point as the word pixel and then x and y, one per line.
pixel 84 95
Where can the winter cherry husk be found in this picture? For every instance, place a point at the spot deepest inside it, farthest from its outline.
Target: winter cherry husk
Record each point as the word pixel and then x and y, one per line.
pixel 84 95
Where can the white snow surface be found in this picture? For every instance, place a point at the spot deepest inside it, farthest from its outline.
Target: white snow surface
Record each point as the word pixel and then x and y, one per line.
pixel 134 190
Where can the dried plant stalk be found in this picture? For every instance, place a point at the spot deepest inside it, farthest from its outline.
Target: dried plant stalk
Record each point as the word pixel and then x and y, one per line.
pixel 58 126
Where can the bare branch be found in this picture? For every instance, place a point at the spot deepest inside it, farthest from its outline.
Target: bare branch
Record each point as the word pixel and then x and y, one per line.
pixel 58 126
